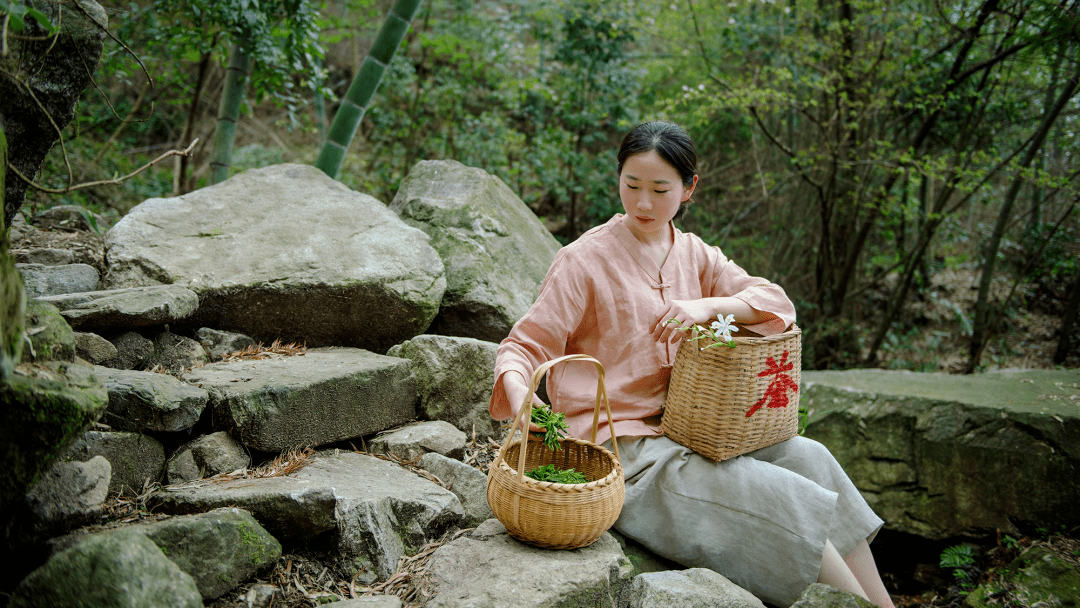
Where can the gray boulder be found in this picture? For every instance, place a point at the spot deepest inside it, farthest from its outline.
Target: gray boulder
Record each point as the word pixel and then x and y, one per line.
pixel 39 103
pixel 70 494
pixel 174 353
pixel 941 455
pixel 326 395
pixel 411 442
pixel 149 401
pixel 207 456
pixel 220 549
pixel 217 343
pixel 133 350
pixel 50 337
pixel 1037 577
pixel 125 308
pixel 375 510
pixel 48 280
pixel 693 588
pixel 467 483
pixel 133 458
pixel 41 415
pixel 453 378
pixel 819 595
pixel 46 256
pixel 487 568
pixel 94 349
pixel 125 569
pixel 285 252
pixel 494 248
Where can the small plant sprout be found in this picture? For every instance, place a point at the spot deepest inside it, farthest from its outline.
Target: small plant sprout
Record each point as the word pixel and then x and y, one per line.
pixel 553 425
pixel 719 331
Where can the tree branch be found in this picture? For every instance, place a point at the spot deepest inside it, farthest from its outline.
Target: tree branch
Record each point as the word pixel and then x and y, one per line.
pixel 105 182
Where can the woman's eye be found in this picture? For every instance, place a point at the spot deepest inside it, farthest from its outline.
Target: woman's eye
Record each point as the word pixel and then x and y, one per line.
pixel 631 187
pixel 661 191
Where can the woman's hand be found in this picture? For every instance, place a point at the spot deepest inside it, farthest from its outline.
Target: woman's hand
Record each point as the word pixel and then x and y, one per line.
pixel 516 390
pixel 700 312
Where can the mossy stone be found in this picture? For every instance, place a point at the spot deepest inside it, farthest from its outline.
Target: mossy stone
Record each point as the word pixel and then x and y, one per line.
pixel 41 416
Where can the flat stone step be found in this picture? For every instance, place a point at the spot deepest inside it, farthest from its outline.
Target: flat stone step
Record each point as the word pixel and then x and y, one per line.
pixel 324 396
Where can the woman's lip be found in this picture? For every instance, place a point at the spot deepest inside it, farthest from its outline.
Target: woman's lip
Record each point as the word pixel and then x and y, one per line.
pixel 644 220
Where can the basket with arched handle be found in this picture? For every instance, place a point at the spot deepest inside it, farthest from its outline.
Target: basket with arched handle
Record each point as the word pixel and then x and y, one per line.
pixel 556 515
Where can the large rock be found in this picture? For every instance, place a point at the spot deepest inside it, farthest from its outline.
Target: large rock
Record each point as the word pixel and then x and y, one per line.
pixel 39 103
pixel 375 510
pixel 819 595
pixel 495 250
pixel 693 588
pixel 125 308
pixel 285 252
pixel 41 415
pixel 50 337
pixel 453 379
pixel 149 401
pixel 134 458
pixel 410 442
pixel 941 455
pixel 43 280
pixel 219 549
pixel 489 569
pixel 466 482
pixel 70 494
pixel 207 456
pixel 1037 577
pixel 124 569
pixel 327 395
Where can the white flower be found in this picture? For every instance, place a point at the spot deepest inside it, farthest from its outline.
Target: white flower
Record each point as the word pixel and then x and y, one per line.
pixel 723 326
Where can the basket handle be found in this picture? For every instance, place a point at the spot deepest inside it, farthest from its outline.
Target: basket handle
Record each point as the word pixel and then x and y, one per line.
pixel 526 407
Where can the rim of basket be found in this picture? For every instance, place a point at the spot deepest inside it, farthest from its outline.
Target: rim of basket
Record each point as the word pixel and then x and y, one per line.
pixel 789 333
pixel 616 471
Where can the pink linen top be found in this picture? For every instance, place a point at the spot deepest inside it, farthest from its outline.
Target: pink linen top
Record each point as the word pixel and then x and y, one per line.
pixel 602 297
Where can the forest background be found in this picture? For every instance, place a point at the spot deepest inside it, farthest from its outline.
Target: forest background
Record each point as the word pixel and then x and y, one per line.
pixel 906 169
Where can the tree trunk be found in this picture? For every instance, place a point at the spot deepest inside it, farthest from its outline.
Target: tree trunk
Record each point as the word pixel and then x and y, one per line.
pixel 1068 323
pixel 980 334
pixel 363 87
pixel 182 162
pixel 13 302
pixel 228 113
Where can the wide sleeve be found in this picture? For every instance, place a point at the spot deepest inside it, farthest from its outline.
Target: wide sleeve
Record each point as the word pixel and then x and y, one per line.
pixel 726 278
pixel 543 333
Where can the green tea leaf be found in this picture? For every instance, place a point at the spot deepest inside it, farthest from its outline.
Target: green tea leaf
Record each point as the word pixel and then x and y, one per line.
pixel 551 473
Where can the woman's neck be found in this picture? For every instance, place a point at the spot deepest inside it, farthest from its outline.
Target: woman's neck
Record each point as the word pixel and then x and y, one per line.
pixel 656 244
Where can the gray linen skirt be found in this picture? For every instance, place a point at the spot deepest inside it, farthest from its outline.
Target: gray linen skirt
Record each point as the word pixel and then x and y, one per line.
pixel 760 519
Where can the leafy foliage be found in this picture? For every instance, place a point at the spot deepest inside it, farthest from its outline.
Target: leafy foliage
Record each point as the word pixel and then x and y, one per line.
pixel 552 425
pixel 553 474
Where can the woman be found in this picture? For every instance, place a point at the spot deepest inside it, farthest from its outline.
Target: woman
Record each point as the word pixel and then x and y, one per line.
pixel 772 521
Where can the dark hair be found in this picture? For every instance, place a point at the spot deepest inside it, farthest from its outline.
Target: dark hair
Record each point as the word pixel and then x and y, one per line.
pixel 671 142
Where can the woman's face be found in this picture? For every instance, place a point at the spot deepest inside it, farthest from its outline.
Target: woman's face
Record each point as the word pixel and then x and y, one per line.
pixel 651 192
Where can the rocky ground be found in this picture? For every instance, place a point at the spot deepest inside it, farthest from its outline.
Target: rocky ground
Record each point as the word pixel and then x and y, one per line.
pixel 916 577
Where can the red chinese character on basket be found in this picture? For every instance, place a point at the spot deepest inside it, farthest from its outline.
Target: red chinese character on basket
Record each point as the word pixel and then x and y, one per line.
pixel 776 395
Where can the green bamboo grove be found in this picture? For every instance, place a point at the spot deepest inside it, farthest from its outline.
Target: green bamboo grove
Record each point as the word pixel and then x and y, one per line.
pixel 231 97
pixel 363 87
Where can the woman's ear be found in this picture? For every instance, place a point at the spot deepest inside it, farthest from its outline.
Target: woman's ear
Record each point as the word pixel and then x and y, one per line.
pixel 688 192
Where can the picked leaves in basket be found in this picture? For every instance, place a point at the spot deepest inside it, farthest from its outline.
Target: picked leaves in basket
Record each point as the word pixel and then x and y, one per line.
pixel 554 474
pixel 553 425
pixel 719 331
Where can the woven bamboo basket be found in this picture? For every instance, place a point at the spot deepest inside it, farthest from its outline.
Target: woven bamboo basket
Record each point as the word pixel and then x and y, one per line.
pixel 556 515
pixel 723 402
